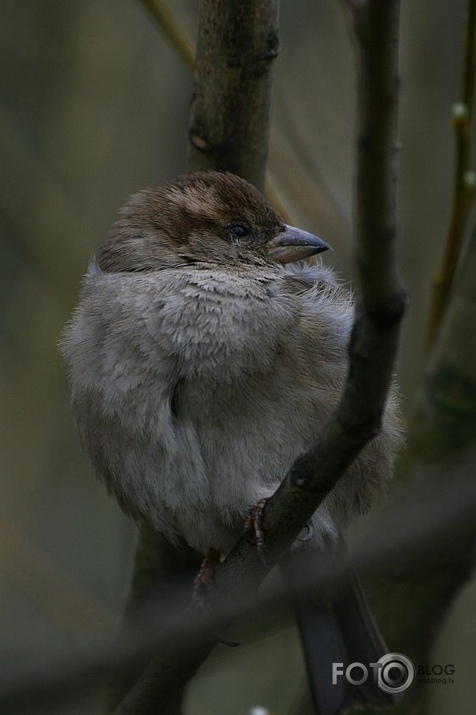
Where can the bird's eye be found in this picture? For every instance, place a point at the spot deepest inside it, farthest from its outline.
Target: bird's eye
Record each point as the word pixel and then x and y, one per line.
pixel 238 229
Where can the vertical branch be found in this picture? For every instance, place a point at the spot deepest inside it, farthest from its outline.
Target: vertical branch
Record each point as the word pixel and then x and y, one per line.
pixel 464 182
pixel 186 50
pixel 382 298
pixel 376 29
pixel 157 564
pixel 382 294
pixel 229 126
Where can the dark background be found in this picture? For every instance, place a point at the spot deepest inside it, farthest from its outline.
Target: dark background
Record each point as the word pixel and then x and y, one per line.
pixel 94 106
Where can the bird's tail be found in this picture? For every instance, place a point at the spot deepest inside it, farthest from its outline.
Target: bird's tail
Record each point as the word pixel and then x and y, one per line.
pixel 337 629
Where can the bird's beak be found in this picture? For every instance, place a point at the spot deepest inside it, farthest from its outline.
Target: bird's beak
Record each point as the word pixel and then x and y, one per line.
pixel 293 244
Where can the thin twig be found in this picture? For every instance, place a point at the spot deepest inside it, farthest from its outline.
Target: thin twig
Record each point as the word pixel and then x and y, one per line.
pixel 442 429
pixel 464 182
pixel 48 586
pixel 173 29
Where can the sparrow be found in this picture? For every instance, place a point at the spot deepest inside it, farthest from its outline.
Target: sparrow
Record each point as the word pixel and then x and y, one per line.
pixel 204 357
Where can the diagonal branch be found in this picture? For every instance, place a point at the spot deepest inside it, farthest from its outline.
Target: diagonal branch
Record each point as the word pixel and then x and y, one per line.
pixel 166 19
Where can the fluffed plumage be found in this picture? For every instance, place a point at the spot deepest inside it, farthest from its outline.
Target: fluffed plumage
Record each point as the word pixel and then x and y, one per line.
pixel 203 361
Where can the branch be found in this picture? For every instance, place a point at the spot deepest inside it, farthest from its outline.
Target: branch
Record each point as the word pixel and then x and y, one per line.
pixel 237 43
pixel 157 565
pixel 442 431
pixel 186 50
pixel 442 427
pixel 382 297
pixel 465 182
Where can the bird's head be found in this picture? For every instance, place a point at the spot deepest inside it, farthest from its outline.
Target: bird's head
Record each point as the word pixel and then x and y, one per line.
pixel 205 217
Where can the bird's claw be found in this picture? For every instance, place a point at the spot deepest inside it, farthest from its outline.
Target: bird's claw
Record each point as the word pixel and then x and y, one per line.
pixel 202 584
pixel 204 579
pixel 254 529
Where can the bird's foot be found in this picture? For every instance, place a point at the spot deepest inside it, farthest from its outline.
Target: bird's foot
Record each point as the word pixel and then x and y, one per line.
pixel 254 529
pixel 202 585
pixel 204 579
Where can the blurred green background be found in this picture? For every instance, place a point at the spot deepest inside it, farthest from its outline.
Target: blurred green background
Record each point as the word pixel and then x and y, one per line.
pixel 94 106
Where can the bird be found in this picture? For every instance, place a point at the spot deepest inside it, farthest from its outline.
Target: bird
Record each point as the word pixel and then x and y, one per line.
pixel 207 351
